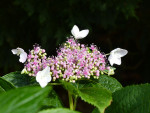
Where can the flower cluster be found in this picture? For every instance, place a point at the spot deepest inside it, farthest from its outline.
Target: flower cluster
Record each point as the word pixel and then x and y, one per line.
pixel 73 61
pixel 36 61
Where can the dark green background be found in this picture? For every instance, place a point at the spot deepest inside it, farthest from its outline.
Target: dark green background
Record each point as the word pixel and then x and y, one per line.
pixel 112 24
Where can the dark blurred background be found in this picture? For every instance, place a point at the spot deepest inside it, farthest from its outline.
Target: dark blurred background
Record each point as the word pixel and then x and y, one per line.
pixel 112 24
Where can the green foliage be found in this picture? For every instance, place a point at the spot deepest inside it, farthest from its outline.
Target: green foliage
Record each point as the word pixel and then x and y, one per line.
pixel 5 85
pixel 58 110
pixel 109 83
pixel 1 89
pixel 95 110
pixel 131 99
pixel 19 80
pixel 52 100
pixel 22 100
pixel 95 92
pixel 99 97
pixel 104 81
pixel 105 93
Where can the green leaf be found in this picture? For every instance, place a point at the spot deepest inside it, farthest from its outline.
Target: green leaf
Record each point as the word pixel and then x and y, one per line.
pixel 72 87
pixel 99 97
pixel 95 111
pixel 131 99
pixel 1 89
pixel 104 81
pixel 52 100
pixel 87 90
pixel 58 110
pixel 96 92
pixel 22 100
pixel 109 83
pixel 5 85
pixel 18 79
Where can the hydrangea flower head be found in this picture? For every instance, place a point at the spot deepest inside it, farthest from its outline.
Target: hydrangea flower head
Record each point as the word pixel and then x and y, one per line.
pixel 75 61
pixel 36 61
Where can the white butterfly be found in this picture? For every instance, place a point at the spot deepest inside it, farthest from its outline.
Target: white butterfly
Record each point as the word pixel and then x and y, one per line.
pixel 43 77
pixel 20 52
pixel 79 34
pixel 115 56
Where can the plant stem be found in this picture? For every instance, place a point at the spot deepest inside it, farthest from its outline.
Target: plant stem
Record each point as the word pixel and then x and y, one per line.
pixel 75 102
pixel 70 101
pixel 54 83
pixel 107 54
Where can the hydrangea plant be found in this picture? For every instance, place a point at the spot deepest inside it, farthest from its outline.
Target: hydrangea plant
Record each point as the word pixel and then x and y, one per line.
pixel 74 61
pixel 84 71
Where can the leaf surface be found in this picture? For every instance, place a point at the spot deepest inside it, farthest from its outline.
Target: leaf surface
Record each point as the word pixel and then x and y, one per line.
pixel 19 80
pixel 131 99
pixel 22 100
pixel 58 110
pixel 5 85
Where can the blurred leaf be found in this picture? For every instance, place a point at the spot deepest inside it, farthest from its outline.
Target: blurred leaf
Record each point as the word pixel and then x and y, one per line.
pixel 5 85
pixel 95 110
pixel 1 89
pixel 131 99
pixel 58 110
pixel 19 80
pixel 22 100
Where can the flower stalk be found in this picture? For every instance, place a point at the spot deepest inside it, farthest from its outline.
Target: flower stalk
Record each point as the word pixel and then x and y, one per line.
pixel 75 102
pixel 70 100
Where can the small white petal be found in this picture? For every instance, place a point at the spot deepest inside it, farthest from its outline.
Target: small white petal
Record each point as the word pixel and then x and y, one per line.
pixel 79 34
pixel 115 56
pixel 43 77
pixel 23 57
pixel 118 52
pixel 114 60
pixel 117 61
pixel 14 51
pixel 43 84
pixel 82 34
pixel 21 52
pixel 75 31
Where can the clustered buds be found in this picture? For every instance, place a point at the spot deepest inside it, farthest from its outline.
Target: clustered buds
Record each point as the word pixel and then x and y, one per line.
pixel 36 61
pixel 73 61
